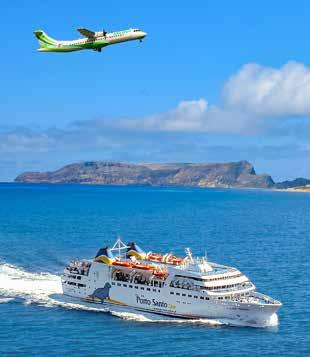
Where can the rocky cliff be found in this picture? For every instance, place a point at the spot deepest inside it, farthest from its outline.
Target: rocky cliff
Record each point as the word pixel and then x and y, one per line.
pixel 232 174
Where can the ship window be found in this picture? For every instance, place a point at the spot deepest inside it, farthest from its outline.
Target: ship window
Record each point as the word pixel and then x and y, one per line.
pixel 171 292
pixel 201 297
pixel 178 294
pixel 183 294
pixel 207 298
pixel 189 295
pixel 158 290
pixel 113 283
pixel 130 286
pixel 195 296
pixel 148 289
pixel 118 284
pixel 154 290
pixel 142 288
pixel 79 277
pixel 81 285
pixel 125 285
pixel 137 287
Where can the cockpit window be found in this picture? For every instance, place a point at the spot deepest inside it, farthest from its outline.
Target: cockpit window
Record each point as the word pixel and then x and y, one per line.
pixel 136 30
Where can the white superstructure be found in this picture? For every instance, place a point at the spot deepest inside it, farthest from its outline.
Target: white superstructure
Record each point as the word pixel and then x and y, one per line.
pixel 180 287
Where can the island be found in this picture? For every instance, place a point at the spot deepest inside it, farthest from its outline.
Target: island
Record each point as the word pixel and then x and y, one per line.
pixel 226 175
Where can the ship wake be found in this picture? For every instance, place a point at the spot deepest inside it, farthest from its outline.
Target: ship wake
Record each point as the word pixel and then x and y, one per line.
pixel 45 289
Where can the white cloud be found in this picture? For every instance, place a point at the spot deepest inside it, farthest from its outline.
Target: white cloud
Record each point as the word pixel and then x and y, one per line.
pixel 250 100
pixel 189 116
pixel 23 139
pixel 266 91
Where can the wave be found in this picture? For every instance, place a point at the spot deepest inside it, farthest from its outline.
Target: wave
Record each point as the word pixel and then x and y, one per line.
pixel 16 282
pixel 45 289
pixel 40 288
pixel 149 317
pixel 5 300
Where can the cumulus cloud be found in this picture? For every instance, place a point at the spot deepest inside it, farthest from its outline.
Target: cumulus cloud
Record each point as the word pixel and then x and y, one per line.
pixel 251 101
pixel 188 116
pixel 266 91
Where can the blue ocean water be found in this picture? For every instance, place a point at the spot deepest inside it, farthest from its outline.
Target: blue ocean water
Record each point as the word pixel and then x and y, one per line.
pixel 263 233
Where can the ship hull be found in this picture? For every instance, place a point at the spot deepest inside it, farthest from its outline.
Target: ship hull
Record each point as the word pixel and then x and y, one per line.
pixel 237 317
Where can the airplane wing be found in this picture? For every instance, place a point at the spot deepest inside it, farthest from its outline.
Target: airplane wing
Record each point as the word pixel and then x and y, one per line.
pixel 86 33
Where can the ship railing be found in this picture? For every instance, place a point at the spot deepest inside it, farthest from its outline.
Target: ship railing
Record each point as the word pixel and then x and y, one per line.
pixel 256 298
pixel 262 298
pixel 78 267
pixel 232 289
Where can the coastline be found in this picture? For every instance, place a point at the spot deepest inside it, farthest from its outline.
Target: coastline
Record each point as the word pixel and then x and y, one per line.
pixel 297 189
pixel 85 184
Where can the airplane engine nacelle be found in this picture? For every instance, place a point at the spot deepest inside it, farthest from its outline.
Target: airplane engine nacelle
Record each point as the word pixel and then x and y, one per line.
pixel 100 33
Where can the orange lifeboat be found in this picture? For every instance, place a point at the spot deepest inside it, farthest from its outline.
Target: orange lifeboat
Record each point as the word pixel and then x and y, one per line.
pixel 122 263
pixel 167 258
pixel 142 266
pixel 154 257
pixel 174 260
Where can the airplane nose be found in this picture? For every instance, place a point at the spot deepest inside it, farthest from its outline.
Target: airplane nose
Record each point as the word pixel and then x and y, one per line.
pixel 144 34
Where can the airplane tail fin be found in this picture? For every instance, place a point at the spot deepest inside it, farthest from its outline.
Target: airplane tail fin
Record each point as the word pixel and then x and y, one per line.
pixel 44 40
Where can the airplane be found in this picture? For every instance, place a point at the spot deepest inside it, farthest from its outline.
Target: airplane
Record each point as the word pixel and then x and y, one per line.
pixel 92 41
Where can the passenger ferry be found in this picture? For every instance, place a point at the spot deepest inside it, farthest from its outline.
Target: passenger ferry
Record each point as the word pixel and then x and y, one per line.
pixel 182 287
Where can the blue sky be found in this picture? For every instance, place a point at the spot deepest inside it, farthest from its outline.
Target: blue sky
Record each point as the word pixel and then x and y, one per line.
pixel 213 81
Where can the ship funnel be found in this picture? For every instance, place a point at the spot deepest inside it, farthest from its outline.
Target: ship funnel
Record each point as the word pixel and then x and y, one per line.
pixel 133 250
pixel 104 255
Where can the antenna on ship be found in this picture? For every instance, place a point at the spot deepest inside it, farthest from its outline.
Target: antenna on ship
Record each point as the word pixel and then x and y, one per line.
pixel 119 245
pixel 189 254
